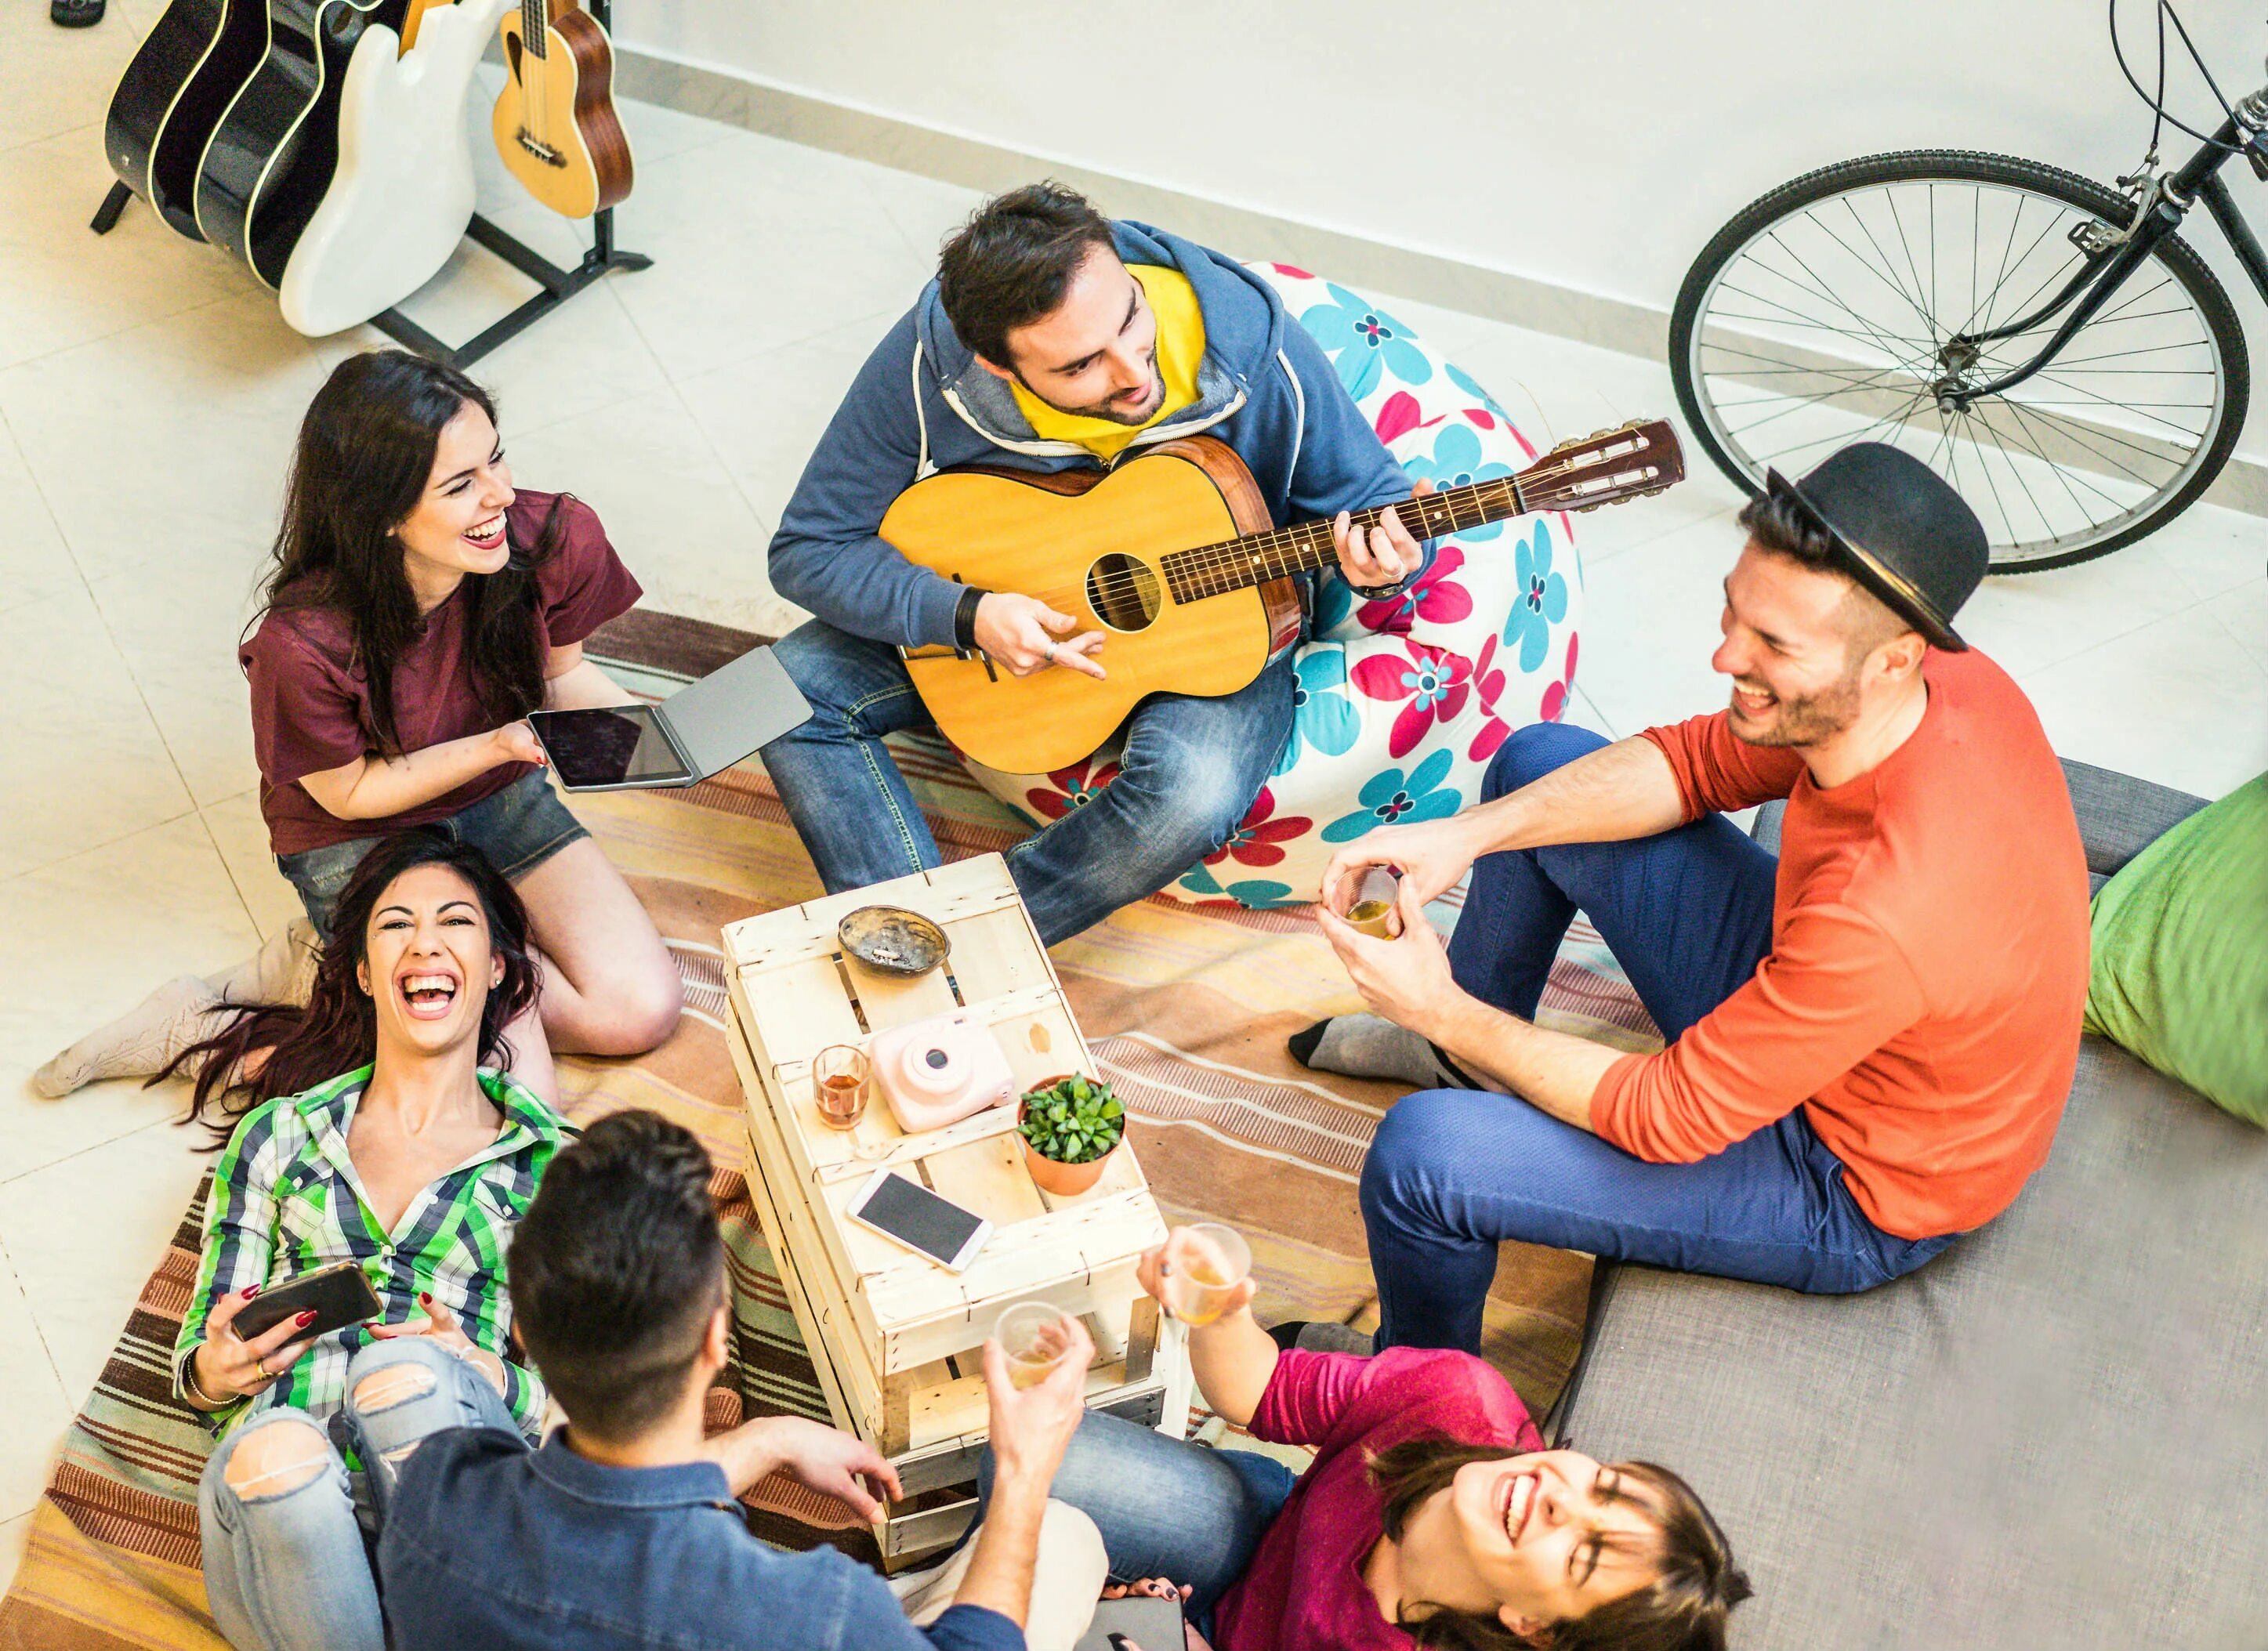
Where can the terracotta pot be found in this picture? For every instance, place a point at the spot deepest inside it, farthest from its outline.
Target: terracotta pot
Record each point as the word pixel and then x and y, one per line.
pixel 1065 1181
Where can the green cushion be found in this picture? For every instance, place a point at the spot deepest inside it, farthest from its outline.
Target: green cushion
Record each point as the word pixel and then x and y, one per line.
pixel 2179 972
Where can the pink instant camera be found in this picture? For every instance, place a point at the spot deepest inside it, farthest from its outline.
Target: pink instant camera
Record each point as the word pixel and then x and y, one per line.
pixel 937 1071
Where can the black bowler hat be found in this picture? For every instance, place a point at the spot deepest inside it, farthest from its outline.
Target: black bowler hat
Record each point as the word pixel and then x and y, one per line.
pixel 1904 534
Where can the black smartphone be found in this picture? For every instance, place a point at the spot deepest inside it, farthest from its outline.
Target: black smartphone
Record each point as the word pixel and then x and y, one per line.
pixel 339 1293
pixel 1139 1619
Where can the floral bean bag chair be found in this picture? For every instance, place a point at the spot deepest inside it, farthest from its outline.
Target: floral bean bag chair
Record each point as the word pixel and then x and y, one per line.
pixel 1401 703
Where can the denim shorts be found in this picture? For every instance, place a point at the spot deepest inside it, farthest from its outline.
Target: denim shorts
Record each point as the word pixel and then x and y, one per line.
pixel 519 828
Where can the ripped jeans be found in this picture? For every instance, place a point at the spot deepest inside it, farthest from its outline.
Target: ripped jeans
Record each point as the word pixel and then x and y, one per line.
pixel 287 1528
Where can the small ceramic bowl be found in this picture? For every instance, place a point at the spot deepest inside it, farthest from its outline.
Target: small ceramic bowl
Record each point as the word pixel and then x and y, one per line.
pixel 893 941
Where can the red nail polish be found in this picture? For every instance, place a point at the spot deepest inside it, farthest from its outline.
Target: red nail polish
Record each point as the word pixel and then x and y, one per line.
pixel 425 1298
pixel 251 1290
pixel 307 1317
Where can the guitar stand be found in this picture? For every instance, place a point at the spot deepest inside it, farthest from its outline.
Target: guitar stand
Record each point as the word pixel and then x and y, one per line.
pixel 558 284
pixel 558 287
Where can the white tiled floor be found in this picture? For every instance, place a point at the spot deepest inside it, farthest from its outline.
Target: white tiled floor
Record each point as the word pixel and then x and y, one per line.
pixel 148 394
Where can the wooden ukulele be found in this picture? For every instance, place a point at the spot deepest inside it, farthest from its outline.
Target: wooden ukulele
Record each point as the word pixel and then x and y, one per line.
pixel 1173 557
pixel 554 122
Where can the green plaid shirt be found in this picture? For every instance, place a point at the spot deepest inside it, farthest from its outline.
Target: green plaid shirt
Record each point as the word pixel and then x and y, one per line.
pixel 285 1199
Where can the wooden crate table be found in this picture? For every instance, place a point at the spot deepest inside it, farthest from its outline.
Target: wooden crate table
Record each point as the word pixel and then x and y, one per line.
pixel 894 1336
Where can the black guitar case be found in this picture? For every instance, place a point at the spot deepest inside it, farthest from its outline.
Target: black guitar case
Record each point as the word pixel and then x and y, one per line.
pixel 276 145
pixel 193 61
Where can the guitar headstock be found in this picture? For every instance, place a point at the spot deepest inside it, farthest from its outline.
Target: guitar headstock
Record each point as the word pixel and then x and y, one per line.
pixel 1607 467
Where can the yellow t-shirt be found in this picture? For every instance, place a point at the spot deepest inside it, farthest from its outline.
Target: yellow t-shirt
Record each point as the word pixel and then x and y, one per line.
pixel 1181 347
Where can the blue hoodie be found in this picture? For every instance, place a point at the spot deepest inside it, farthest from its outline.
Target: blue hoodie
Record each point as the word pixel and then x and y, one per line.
pixel 923 399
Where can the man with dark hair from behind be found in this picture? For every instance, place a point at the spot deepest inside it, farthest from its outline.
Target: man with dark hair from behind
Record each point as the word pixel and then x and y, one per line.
pixel 621 1530
pixel 1870 1037
pixel 1055 341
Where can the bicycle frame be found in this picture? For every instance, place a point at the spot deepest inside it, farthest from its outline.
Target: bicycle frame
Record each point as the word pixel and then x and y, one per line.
pixel 2118 254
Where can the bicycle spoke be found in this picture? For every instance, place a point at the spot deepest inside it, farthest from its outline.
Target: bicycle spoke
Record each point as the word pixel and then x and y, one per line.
pixel 1819 290
pixel 2065 471
pixel 2062 473
pixel 2046 526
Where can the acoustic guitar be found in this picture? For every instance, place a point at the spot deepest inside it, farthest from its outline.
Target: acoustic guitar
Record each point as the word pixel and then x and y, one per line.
pixel 554 122
pixel 194 59
pixel 1171 554
pixel 271 159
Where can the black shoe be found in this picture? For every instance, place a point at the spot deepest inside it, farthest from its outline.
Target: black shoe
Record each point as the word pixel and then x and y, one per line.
pixel 75 14
pixel 1314 1335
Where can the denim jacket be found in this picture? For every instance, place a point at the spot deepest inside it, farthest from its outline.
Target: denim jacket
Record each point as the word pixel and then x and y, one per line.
pixel 489 1544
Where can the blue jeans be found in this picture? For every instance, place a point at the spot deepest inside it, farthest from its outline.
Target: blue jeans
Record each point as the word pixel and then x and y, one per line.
pixel 519 828
pixel 1453 1172
pixel 287 1568
pixel 1167 1508
pixel 1186 778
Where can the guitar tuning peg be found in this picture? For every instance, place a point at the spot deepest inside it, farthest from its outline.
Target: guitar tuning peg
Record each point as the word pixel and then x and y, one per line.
pixel 1585 510
pixel 1632 423
pixel 1564 445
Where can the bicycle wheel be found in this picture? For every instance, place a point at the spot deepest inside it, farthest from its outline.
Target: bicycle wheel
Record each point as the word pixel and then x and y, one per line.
pixel 1824 314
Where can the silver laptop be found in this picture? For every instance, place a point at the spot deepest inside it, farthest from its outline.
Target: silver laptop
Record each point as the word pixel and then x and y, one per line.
pixel 700 730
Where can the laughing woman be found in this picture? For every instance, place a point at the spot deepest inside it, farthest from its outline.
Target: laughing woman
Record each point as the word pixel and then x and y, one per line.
pixel 383 1135
pixel 419 607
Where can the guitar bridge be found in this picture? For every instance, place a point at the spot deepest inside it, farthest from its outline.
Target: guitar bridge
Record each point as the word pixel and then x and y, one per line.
pixel 942 651
pixel 542 151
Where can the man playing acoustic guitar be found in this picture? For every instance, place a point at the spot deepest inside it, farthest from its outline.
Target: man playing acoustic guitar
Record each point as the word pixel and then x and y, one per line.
pixel 1054 340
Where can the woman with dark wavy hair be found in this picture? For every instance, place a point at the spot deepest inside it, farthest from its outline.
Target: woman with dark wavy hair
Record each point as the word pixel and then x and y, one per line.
pixel 1431 1515
pixel 382 1132
pixel 418 607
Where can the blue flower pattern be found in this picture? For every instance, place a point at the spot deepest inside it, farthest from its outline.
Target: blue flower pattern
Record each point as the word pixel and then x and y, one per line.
pixel 1540 602
pixel 1463 380
pixel 1322 715
pixel 1254 893
pixel 1364 342
pixel 1454 461
pixel 1392 797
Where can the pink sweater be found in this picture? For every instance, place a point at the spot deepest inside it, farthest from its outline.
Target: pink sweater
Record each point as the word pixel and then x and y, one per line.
pixel 1305 1586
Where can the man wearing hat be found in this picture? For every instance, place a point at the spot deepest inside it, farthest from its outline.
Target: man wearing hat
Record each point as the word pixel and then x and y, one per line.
pixel 1869 1037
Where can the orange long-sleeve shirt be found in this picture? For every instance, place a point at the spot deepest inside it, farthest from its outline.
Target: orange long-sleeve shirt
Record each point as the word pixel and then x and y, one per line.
pixel 1928 967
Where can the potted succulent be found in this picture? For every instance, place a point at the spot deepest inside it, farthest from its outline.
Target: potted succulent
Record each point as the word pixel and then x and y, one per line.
pixel 1071 1126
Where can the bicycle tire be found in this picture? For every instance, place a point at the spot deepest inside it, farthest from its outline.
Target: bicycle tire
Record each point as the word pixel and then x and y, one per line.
pixel 2179 260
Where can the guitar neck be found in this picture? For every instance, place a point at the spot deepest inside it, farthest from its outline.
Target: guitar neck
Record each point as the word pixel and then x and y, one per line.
pixel 534 26
pixel 1579 474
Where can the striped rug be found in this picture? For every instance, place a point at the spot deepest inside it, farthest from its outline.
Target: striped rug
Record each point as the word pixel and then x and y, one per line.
pixel 1187 1009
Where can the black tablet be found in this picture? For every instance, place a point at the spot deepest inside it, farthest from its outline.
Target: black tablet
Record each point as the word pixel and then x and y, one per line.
pixel 620 746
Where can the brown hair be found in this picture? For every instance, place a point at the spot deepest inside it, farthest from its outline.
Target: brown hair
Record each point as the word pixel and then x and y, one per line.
pixel 1008 265
pixel 1780 524
pixel 1685 1608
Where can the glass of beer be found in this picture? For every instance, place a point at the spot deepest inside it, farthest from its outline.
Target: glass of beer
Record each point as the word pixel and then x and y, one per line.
pixel 1373 910
pixel 1032 1334
pixel 1202 1271
pixel 840 1077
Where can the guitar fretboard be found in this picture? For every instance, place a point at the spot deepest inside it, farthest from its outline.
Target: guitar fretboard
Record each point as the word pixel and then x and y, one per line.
pixel 534 26
pixel 1214 570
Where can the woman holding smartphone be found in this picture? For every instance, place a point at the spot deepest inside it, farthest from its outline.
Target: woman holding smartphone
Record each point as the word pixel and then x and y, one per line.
pixel 383 1134
pixel 1431 1515
pixel 418 606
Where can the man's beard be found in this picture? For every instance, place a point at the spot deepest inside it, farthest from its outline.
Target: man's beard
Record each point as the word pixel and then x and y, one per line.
pixel 1808 720
pixel 1107 410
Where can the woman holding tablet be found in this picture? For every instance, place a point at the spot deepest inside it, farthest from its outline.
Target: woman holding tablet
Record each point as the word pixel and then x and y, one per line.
pixel 381 1135
pixel 419 607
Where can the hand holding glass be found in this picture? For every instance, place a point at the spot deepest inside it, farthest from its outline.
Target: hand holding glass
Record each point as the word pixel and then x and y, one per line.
pixel 1201 1270
pixel 1034 1336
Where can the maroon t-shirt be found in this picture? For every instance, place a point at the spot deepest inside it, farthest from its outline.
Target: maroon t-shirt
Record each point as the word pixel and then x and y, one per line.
pixel 310 697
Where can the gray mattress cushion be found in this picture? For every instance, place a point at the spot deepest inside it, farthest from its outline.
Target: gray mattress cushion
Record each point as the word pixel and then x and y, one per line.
pixel 2055 1435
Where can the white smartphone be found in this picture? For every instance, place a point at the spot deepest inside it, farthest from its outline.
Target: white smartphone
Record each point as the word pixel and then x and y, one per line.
pixel 912 1215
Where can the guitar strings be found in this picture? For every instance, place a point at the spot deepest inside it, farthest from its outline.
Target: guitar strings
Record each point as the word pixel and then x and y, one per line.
pixel 1200 561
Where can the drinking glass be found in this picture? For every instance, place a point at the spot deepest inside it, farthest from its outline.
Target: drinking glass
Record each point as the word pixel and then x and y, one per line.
pixel 840 1077
pixel 1032 1334
pixel 1203 1271
pixel 1373 910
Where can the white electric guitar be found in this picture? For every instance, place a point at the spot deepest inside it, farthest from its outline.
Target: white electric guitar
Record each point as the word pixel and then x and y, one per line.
pixel 403 192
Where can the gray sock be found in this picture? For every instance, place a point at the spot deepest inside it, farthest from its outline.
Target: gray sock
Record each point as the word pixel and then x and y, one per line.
pixel 1370 1046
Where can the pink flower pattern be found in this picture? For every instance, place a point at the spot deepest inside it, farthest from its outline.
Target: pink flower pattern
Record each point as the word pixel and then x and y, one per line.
pixel 1254 842
pixel 1436 598
pixel 1075 787
pixel 1555 694
pixel 1434 682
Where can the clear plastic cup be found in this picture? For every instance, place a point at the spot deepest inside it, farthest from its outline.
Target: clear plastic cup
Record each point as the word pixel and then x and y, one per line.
pixel 1373 910
pixel 1034 1336
pixel 1202 1271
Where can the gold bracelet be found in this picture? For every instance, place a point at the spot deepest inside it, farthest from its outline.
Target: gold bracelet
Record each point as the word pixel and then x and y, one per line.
pixel 197 1387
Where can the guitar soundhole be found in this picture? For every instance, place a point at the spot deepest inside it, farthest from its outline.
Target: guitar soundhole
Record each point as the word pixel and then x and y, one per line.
pixel 1124 592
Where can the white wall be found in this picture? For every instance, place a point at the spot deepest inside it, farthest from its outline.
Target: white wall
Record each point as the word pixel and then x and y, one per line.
pixel 1596 146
